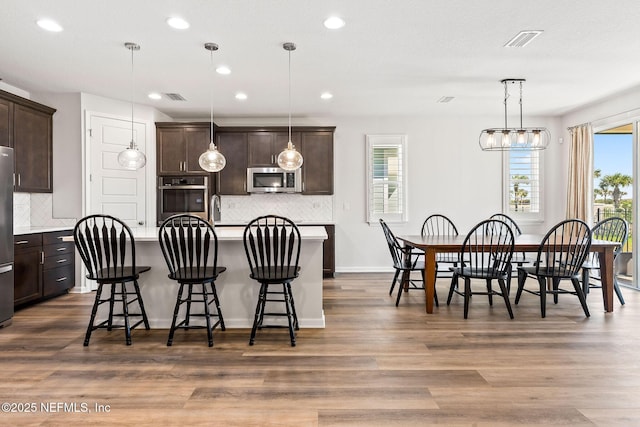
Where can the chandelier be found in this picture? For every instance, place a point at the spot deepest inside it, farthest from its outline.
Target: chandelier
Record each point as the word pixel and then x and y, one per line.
pixel 503 139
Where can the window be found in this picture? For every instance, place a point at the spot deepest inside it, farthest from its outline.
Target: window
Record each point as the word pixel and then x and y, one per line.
pixel 522 177
pixel 386 178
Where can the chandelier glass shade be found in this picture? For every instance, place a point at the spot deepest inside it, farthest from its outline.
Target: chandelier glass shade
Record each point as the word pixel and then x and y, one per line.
pixel 132 158
pixel 515 138
pixel 212 160
pixel 290 159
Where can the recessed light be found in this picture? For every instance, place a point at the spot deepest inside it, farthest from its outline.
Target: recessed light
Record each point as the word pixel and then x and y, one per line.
pixel 223 69
pixel 155 96
pixel 177 23
pixel 326 95
pixel 334 22
pixel 49 25
pixel 241 96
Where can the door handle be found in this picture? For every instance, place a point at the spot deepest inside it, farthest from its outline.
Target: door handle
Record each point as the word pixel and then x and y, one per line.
pixel 6 269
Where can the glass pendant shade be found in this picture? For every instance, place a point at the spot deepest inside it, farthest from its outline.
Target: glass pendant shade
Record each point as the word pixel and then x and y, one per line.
pixel 290 159
pixel 132 158
pixel 212 160
pixel 521 138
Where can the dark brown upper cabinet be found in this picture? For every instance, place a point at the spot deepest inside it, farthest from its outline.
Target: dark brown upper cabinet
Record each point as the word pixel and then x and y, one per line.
pixel 27 126
pixel 179 146
pixel 265 146
pixel 232 180
pixel 317 169
pixel 6 123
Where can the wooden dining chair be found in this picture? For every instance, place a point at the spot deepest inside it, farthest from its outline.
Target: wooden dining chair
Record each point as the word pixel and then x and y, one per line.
pixel 486 253
pixel 440 225
pixel 561 254
pixel 404 263
pixel 614 229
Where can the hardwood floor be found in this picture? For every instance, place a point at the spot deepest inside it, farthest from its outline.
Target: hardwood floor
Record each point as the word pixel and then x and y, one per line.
pixel 373 364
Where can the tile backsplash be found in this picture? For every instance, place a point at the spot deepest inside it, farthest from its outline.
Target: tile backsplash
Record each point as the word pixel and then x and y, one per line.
pixel 317 209
pixel 36 210
pixel 21 210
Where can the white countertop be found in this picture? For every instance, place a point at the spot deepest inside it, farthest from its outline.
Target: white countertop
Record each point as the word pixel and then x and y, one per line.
pixel 150 234
pixel 17 231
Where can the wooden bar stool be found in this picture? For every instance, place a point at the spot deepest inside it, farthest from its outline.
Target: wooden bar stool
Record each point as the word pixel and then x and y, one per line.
pixel 190 248
pixel 108 250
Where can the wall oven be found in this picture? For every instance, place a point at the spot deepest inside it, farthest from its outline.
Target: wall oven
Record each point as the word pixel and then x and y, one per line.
pixel 178 195
pixel 273 180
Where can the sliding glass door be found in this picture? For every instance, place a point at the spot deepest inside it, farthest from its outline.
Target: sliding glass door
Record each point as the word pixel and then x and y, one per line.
pixel 613 188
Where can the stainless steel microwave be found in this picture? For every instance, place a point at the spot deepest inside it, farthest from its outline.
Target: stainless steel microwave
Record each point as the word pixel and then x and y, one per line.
pixel 273 180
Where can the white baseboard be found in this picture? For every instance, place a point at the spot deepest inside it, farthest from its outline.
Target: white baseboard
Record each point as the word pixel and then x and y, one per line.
pixel 364 270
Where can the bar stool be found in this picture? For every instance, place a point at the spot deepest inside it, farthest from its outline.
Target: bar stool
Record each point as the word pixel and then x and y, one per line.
pixel 272 244
pixel 190 248
pixel 108 251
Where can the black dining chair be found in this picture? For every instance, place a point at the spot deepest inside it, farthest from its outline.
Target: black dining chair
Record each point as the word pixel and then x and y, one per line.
pixel 487 252
pixel 272 244
pixel 404 263
pixel 519 258
pixel 561 254
pixel 614 229
pixel 190 248
pixel 440 225
pixel 108 251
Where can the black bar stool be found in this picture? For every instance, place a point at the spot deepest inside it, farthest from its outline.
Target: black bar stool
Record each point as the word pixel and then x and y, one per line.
pixel 108 251
pixel 272 244
pixel 190 248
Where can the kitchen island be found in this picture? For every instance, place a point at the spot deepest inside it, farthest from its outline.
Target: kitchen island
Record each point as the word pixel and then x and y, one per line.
pixel 238 293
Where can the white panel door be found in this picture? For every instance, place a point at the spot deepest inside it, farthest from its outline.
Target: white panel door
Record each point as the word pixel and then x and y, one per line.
pixel 113 190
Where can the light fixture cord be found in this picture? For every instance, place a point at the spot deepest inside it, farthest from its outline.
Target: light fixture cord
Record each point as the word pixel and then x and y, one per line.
pixel 506 96
pixel 132 145
pixel 521 106
pixel 211 95
pixel 289 96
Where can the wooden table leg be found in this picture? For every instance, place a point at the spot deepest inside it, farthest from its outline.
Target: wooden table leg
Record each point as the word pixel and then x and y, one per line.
pixel 430 277
pixel 606 277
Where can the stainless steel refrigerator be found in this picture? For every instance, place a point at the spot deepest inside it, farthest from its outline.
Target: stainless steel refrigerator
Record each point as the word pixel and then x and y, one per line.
pixel 6 235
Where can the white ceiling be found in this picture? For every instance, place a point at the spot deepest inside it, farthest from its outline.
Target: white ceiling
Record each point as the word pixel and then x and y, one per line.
pixel 392 58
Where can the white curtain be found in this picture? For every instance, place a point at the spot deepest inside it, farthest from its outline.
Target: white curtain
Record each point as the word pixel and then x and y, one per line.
pixel 580 180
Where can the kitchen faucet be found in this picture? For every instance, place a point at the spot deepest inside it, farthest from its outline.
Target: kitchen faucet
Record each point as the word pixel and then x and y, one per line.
pixel 215 210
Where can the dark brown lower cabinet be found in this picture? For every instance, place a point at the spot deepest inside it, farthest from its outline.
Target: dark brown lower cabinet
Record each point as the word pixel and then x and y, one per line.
pixel 27 259
pixel 329 252
pixel 44 266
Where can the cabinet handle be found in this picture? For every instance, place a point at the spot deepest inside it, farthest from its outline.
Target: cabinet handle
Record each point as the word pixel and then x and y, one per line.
pixel 21 242
pixel 61 261
pixel 62 279
pixel 18 180
pixel 61 249
pixel 42 258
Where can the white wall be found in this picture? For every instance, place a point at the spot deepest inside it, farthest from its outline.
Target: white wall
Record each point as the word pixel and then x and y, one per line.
pixel 448 173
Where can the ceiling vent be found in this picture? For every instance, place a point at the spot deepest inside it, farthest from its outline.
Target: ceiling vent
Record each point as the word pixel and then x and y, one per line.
pixel 175 97
pixel 523 38
pixel 445 99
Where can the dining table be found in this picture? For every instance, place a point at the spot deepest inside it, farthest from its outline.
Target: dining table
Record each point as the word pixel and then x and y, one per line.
pixel 432 245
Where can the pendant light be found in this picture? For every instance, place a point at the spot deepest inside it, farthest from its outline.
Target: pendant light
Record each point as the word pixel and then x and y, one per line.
pixel 132 158
pixel 503 139
pixel 212 160
pixel 290 159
